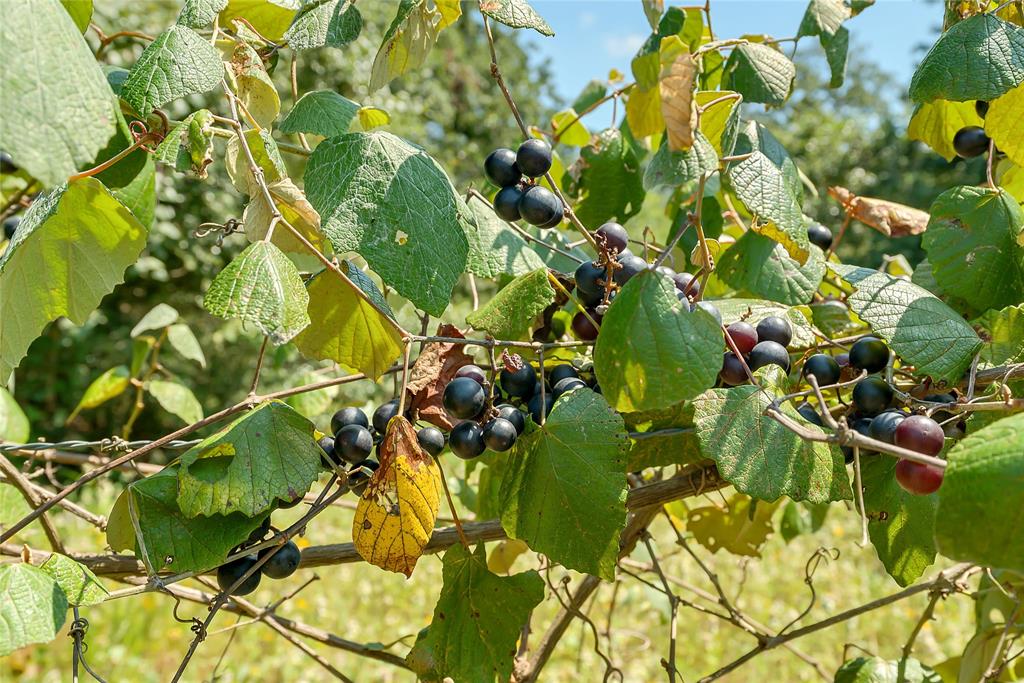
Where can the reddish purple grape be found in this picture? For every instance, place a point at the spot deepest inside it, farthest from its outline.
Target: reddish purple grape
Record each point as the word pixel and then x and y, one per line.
pixel 473 372
pixel 583 328
pixel 918 478
pixel 743 335
pixel 920 433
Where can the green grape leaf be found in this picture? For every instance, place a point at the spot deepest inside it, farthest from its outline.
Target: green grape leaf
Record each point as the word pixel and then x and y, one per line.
pixel 921 329
pixel 141 348
pixel 837 48
pixel 677 356
pixel 509 314
pixel 676 168
pixel 972 245
pixel 189 145
pixel 979 58
pixel 981 502
pixel 801 518
pixel 79 584
pixel 321 112
pixel 935 123
pixel 1003 334
pixel 823 17
pixel 157 318
pixel 578 460
pixel 177 399
pixel 761 266
pixel 568 128
pixel 324 23
pixel 266 155
pixel 179 62
pixel 661 447
pixel 351 327
pixel 878 670
pixel 768 183
pixel 477 620
pixel 261 286
pixel 200 13
pixel 139 196
pixel 252 85
pixel 901 525
pixel 147 520
pixel 760 73
pixel 719 122
pixel 762 458
pixel 33 609
pixel 80 11
pixel 75 244
pixel 389 201
pixel 184 342
pixel 270 17
pixel 494 247
pixel 268 454
pixel 56 80
pixel 742 528
pixel 754 311
pixel 515 14
pixel 14 426
pixel 406 44
pixel 606 180
pixel 591 94
pixel 107 386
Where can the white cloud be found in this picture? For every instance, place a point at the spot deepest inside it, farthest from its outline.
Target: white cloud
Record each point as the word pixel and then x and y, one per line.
pixel 618 46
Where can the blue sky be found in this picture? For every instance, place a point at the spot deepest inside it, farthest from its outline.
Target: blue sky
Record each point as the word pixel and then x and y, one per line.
pixel 594 36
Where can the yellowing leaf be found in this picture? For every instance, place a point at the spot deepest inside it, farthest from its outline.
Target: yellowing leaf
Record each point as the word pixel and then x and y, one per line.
pixel 715 120
pixel 292 203
pixel 568 129
pixel 643 112
pixel 406 44
pixel 739 529
pixel 677 106
pixel 935 123
pixel 1012 180
pixel 110 384
pixel 396 513
pixel 450 11
pixel 270 17
pixel 371 117
pixel 504 555
pixel 252 84
pixel 1004 123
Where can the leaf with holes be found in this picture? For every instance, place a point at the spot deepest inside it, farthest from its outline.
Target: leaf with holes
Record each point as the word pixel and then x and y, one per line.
pixel 921 329
pixel 477 620
pixel 389 201
pixel 395 515
pixel 261 286
pixel 578 460
pixel 179 62
pixel 678 355
pixel 509 314
pixel 33 609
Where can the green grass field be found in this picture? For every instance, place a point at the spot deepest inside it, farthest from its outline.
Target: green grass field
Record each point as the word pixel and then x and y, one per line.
pixel 137 639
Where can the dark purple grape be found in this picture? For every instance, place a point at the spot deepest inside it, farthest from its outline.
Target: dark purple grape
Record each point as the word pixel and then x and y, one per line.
pixel 823 368
pixel 615 237
pixel 534 157
pixel 768 353
pixel 776 329
pixel 733 373
pixel 473 372
pixel 500 167
pixel 870 354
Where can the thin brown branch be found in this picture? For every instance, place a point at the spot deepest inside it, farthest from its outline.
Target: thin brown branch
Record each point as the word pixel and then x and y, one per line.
pixel 24 487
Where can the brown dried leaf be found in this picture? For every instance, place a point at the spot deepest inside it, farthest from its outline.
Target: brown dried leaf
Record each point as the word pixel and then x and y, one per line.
pixel 889 218
pixel 677 104
pixel 433 369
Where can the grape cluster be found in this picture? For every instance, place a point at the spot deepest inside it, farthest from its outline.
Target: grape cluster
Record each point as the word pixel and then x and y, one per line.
pixel 758 347
pixel 520 196
pixel 281 564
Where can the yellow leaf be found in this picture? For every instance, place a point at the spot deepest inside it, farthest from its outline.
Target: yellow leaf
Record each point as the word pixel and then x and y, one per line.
pixel 396 513
pixel 568 128
pixel 643 112
pixel 738 529
pixel 714 119
pixel 678 511
pixel 292 203
pixel 1012 180
pixel 677 106
pixel 1004 123
pixel 252 84
pixel 450 11
pixel 406 47
pixel 369 118
pixel 504 555
pixel 935 124
pixel 270 17
pixel 616 76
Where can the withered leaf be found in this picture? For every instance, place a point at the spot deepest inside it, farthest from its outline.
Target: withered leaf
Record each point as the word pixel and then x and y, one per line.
pixel 433 369
pixel 889 218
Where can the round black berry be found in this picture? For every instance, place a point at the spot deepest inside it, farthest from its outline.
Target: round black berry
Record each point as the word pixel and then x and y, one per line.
pixel 883 426
pixel 539 205
pixel 560 372
pixel 514 415
pixel 348 416
pixel 353 443
pixel 499 434
pixel 768 353
pixel 981 108
pixel 869 354
pixel 630 265
pixel 590 278
pixel 566 385
pixel 382 416
pixel 710 309
pixel 872 395
pixel 506 203
pixel 534 406
pixel 358 479
pixel 823 368
pixel 808 413
pixel 500 167
pixel 614 235
pixel 582 326
pixel 776 329
pixel 862 426
pixel 733 373
pixel 7 164
pixel 431 439
pixel 11 226
pixel 473 372
pixel 555 220
pixel 260 532
pixel 282 563
pixel 326 444
pixel 970 142
pixel 464 397
pixel 534 157
pixel 467 440
pixel 686 284
pixel 520 382
pixel 230 572
pixel 819 236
